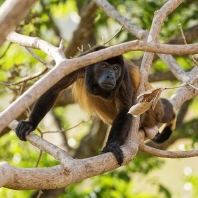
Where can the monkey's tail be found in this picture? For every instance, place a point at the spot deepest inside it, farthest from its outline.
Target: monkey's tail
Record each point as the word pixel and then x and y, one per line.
pixel 166 133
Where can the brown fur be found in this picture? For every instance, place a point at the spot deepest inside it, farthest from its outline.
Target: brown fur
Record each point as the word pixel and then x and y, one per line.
pixel 95 105
pixel 107 109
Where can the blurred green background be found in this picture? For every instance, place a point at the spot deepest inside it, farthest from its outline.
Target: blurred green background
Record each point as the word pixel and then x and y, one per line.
pixel 146 176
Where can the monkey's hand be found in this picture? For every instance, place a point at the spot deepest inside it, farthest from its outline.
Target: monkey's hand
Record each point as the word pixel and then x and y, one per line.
pixel 114 147
pixel 23 129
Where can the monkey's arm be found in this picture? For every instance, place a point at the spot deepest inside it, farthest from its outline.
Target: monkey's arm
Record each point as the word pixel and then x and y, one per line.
pixel 117 135
pixel 121 124
pixel 45 103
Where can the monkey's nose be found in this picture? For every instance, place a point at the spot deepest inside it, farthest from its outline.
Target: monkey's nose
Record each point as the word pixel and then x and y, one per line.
pixel 110 77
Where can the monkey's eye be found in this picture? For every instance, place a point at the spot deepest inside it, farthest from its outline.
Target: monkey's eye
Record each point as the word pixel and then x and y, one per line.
pixel 115 68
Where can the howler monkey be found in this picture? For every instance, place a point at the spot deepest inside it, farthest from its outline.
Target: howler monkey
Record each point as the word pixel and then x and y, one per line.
pixel 106 88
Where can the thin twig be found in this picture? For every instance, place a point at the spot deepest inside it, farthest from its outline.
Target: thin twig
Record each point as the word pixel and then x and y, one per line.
pixel 62 45
pixel 40 193
pixel 89 46
pixel 64 130
pixel 182 85
pixel 22 88
pixel 48 65
pixel 115 34
pixel 189 84
pixel 183 36
pixel 26 78
pixel 39 158
pixel 5 50
pixel 80 49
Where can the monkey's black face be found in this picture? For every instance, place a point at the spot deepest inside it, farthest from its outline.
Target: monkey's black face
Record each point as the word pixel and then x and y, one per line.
pixel 104 78
pixel 107 75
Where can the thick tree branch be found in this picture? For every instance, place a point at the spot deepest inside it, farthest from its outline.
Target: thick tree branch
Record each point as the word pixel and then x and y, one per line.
pixel 11 12
pixel 190 35
pixel 114 14
pixel 34 42
pixel 178 72
pixel 44 145
pixel 157 22
pixel 71 172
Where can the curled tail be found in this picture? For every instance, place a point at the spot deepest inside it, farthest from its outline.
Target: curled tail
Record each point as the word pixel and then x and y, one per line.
pixel 166 133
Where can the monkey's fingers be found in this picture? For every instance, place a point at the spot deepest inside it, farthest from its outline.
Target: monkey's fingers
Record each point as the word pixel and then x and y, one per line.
pixel 115 149
pixel 23 129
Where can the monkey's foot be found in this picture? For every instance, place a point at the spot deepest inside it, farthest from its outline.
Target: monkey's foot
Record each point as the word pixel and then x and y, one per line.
pixel 151 132
pixel 114 147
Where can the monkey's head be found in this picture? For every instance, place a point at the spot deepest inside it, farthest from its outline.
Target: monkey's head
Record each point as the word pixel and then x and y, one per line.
pixel 104 78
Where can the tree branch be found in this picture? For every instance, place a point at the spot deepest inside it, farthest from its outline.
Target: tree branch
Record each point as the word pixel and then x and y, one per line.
pixel 71 172
pixel 11 14
pixel 167 154
pixel 44 145
pixel 157 22
pixel 34 42
pixel 114 14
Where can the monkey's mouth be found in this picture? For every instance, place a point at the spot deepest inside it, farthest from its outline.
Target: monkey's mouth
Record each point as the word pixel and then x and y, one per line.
pixel 108 85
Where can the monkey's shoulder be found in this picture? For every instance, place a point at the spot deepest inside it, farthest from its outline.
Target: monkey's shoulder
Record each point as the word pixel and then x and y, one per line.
pixel 134 73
